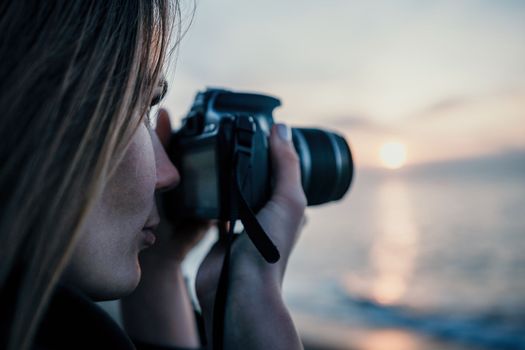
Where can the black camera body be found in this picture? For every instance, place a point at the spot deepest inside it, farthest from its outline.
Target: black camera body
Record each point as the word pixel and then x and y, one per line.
pixel 223 144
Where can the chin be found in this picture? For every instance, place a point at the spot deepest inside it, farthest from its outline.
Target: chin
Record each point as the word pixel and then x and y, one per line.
pixel 113 293
pixel 119 287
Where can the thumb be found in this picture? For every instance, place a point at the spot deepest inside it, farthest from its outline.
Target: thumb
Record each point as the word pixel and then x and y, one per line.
pixel 285 162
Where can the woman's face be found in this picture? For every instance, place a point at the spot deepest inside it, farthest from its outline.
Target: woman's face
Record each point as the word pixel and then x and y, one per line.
pixel 105 262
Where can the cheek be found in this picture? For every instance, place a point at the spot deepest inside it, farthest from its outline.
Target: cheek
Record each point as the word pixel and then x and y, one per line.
pixel 130 192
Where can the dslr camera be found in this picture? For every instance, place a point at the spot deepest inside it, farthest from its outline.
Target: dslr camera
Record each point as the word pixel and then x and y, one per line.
pixel 222 153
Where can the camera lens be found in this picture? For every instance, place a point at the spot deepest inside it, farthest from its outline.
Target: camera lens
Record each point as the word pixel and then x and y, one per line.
pixel 326 164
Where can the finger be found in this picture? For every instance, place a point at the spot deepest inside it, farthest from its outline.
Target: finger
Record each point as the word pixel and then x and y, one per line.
pixel 285 161
pixel 163 128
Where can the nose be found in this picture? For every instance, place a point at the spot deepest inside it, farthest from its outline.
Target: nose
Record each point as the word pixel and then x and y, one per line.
pixel 167 174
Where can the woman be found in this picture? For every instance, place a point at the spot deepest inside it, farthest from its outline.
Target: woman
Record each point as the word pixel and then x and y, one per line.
pixel 80 169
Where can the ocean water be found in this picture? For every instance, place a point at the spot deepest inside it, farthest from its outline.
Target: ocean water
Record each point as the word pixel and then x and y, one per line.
pixel 415 260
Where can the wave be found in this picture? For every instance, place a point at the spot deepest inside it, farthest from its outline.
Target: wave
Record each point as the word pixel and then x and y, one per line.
pixel 490 330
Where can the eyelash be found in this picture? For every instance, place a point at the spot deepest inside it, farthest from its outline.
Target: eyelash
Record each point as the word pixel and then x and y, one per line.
pixel 157 98
pixel 149 119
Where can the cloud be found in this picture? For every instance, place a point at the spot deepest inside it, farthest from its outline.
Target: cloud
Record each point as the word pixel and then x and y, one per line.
pixel 448 107
pixel 445 105
pixel 505 161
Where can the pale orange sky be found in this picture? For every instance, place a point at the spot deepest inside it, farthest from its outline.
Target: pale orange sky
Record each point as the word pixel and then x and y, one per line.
pixel 445 78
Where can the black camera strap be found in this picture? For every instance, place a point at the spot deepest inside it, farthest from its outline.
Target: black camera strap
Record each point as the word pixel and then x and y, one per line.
pixel 242 153
pixel 221 294
pixel 253 228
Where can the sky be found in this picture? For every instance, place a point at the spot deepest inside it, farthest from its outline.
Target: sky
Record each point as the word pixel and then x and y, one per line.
pixel 444 78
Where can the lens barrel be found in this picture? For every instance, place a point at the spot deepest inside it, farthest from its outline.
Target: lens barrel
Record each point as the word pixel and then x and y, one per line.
pixel 326 164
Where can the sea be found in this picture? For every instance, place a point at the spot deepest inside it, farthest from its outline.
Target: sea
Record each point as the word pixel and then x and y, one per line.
pixel 422 258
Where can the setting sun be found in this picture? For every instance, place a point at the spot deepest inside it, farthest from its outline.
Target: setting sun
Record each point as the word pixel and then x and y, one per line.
pixel 393 155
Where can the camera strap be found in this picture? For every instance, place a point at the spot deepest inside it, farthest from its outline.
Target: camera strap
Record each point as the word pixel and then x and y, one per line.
pixel 219 306
pixel 242 156
pixel 253 228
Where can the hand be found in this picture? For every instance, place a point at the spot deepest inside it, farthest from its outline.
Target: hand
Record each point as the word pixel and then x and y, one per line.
pixel 283 216
pixel 255 285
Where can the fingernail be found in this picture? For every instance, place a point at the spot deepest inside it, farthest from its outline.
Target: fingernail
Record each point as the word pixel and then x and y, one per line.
pixel 284 132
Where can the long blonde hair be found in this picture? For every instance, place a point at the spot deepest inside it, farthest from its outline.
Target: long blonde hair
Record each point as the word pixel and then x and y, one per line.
pixel 76 78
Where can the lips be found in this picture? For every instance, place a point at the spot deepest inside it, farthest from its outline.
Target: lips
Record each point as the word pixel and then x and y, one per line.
pixel 149 236
pixel 149 229
pixel 152 227
pixel 153 221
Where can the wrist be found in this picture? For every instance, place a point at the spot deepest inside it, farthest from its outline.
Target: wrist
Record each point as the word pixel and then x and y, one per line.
pixel 248 273
pixel 248 267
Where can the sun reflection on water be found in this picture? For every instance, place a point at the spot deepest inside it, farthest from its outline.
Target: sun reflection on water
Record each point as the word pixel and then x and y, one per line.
pixel 394 251
pixel 389 340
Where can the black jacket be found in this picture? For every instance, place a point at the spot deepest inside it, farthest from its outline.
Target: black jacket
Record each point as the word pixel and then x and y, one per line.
pixel 73 321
